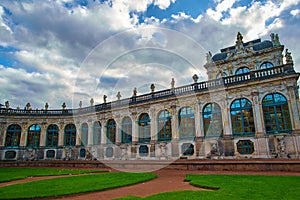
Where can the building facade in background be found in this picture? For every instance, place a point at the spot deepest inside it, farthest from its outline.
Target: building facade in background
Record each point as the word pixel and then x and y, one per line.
pixel 248 108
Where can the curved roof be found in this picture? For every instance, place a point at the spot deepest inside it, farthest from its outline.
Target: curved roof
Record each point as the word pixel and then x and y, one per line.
pixel 257 46
pixel 263 45
pixel 219 56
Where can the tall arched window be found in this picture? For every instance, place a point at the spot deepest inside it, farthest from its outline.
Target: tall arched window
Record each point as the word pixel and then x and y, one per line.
pixel 276 114
pixel 70 135
pixel 13 136
pixel 111 131
pixel 242 117
pixel 97 133
pixel 242 70
pixel 164 126
pixel 84 134
pixel 186 122
pixel 212 120
pixel 144 128
pixel 126 132
pixel 33 137
pixel 52 136
pixel 266 65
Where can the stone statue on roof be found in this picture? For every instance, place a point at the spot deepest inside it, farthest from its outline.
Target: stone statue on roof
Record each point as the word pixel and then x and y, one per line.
pixel 172 83
pixel 7 104
pixel 104 98
pixel 134 92
pixel 46 106
pixel 152 87
pixel 80 104
pixel 92 102
pixel 208 57
pixel 64 105
pixel 288 56
pixel 119 95
pixel 275 39
pixel 239 38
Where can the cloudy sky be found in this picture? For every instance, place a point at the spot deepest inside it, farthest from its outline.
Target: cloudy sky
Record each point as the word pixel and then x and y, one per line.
pixel 59 51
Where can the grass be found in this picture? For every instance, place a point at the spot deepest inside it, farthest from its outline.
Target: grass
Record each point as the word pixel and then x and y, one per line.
pixel 236 187
pixel 72 185
pixel 10 174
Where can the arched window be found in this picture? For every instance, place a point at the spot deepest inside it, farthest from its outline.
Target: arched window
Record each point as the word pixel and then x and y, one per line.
pixel 97 133
pixel 266 65
pixel 111 131
pixel 212 120
pixel 242 70
pixel 164 126
pixel 144 128
pixel 70 135
pixel 13 136
pixel 126 132
pixel 276 114
pixel 84 134
pixel 52 136
pixel 242 117
pixel 33 137
pixel 186 122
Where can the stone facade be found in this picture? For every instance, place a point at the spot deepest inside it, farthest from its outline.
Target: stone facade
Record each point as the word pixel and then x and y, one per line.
pixel 249 108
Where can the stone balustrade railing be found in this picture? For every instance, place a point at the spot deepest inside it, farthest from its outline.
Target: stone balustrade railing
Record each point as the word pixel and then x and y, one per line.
pixel 163 94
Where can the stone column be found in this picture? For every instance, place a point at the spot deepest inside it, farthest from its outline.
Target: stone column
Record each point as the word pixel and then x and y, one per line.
pixel 61 134
pixel 198 120
pixel 103 131
pixel 294 110
pixel 134 128
pixel 153 125
pixel 228 145
pixel 175 132
pixel 118 129
pixel 24 134
pixel 90 133
pixel 153 131
pixel 257 114
pixel 3 128
pixel 174 122
pixel 227 129
pixel 43 134
pixel 78 134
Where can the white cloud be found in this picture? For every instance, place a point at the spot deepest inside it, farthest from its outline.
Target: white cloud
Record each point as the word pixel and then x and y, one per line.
pixel 163 4
pixel 295 12
pixel 221 7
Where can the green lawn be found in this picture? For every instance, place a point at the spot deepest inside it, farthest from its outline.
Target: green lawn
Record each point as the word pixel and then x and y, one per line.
pixel 9 174
pixel 237 187
pixel 72 185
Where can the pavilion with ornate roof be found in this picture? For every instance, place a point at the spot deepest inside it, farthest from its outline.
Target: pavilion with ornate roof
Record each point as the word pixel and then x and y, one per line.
pixel 248 108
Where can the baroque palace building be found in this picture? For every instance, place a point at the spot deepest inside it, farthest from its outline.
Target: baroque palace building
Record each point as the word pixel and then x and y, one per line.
pixel 248 108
